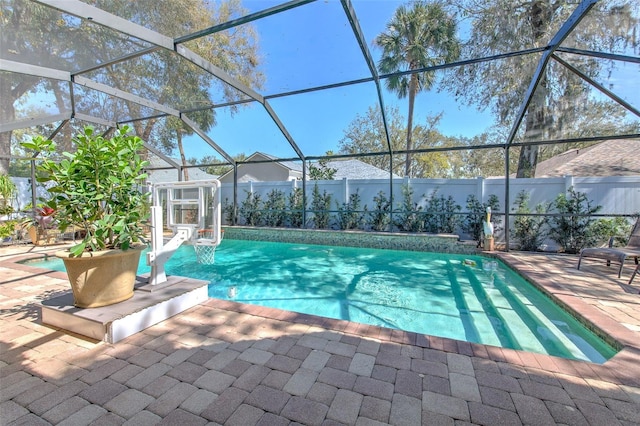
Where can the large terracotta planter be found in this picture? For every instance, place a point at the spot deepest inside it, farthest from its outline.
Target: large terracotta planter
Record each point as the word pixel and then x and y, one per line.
pixel 102 278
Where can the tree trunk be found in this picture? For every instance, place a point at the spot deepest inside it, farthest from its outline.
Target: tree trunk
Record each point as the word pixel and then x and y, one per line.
pixel 412 97
pixel 67 136
pixel 7 115
pixel 534 131
pixel 182 156
pixel 540 13
pixel 5 152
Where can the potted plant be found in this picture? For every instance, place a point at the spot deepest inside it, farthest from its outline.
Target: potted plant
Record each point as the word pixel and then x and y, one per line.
pixel 38 227
pixel 98 189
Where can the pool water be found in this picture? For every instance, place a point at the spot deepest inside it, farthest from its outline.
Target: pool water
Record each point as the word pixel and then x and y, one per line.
pixel 469 298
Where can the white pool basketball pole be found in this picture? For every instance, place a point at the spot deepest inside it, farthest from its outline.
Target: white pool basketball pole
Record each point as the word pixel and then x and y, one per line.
pixel 160 251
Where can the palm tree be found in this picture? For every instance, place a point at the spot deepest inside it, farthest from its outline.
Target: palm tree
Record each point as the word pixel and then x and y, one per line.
pixel 419 35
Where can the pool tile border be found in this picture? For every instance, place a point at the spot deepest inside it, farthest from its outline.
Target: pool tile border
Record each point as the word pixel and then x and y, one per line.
pixel 440 243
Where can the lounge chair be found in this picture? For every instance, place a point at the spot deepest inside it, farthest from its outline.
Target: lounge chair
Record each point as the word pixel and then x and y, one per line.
pixel 634 274
pixel 617 254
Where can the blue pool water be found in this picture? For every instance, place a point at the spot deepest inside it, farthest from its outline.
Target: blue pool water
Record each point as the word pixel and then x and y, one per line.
pixel 469 298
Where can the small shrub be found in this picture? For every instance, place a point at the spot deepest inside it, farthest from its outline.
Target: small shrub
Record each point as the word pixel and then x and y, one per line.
pixel 274 208
pixel 349 214
pixel 410 213
pixel 320 205
pixel 573 229
pixel 380 216
pixel 250 209
pixel 8 228
pixel 528 231
pixel 440 214
pixel 295 204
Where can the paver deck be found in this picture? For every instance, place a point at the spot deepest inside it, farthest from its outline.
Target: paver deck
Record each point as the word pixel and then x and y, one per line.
pixel 227 363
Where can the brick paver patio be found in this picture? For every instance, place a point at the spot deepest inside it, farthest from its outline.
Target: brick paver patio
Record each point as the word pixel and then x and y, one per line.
pixel 233 364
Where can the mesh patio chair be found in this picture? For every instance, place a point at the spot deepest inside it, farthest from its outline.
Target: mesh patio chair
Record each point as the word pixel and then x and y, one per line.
pixel 617 254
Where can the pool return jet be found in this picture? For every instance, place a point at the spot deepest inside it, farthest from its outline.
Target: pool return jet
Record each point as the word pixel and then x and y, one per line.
pixel 193 214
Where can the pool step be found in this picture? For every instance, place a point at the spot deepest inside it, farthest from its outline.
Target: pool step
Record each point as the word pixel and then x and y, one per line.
pixel 508 306
pixel 148 306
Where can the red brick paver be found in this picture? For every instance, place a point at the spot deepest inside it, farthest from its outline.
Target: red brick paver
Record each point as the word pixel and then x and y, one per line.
pixel 229 363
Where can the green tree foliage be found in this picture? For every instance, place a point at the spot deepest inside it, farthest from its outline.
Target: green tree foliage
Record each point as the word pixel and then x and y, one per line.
pixel 365 134
pixel 418 35
pixel 215 166
pixel 563 105
pixel 572 229
pixel 528 231
pixel 158 75
pixel 321 171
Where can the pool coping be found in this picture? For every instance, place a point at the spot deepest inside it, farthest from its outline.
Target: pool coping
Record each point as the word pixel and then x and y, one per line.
pixel 622 368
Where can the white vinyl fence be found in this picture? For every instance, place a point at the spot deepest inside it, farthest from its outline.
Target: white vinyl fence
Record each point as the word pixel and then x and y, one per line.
pixel 616 195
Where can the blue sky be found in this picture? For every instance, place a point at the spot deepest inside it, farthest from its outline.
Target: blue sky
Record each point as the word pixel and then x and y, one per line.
pixel 310 46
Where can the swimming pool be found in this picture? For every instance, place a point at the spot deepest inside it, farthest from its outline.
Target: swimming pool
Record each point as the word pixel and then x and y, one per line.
pixel 462 297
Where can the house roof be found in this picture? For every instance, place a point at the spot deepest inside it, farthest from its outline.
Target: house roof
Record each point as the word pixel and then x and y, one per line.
pixel 171 175
pixel 356 169
pixel 290 165
pixel 350 169
pixel 617 157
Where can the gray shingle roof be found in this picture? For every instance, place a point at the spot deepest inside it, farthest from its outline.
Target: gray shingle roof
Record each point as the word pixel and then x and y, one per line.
pixel 619 157
pixel 356 169
pixel 171 175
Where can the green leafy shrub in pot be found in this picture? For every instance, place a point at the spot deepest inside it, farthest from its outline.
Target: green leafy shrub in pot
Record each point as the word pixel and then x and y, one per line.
pixel 98 188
